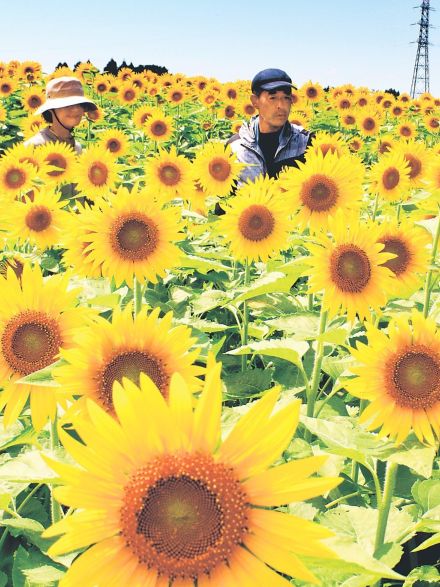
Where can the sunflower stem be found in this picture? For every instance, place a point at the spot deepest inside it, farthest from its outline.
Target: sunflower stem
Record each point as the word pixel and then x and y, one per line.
pixel 316 373
pixel 137 296
pixel 310 302
pixel 429 273
pixel 56 511
pixel 245 325
pixel 385 504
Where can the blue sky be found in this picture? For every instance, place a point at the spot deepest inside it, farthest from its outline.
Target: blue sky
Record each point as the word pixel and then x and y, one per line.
pixel 365 42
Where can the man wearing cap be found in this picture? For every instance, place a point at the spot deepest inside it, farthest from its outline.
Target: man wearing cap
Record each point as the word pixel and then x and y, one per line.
pixel 269 142
pixel 64 108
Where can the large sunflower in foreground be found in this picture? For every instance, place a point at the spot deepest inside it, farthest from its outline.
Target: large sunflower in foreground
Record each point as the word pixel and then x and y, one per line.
pixel 409 243
pixel 37 318
pixel 216 168
pixel 168 175
pixel 97 172
pixel 257 221
pixel 38 219
pixel 106 352
pixel 390 176
pixel 349 268
pixel 160 499
pixel 399 373
pixel 114 141
pixel 321 186
pixel 130 235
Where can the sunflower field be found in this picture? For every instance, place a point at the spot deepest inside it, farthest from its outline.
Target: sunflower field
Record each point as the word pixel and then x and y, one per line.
pixel 215 383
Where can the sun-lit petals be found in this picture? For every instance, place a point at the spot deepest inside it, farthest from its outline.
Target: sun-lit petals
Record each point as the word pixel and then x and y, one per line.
pixel 281 560
pixel 299 492
pixel 251 570
pixel 206 427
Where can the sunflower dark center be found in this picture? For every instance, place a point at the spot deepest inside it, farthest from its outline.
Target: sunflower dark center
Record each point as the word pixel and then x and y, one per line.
pixel 390 178
pixel 129 95
pixel 30 341
pixel 15 178
pixel 350 268
pixel 131 364
pixel 415 165
pixel 384 147
pixel 114 145
pixel 135 238
pixel 229 111
pixel 415 377
pixel 57 161
pixel 98 173
pixel 158 128
pixel 38 219
pixel 34 101
pixel 311 92
pixel 169 174
pixel 219 169
pixel 176 96
pixel 369 123
pixel 256 223
pixel 320 193
pixel 405 131
pixel 184 514
pixel 395 245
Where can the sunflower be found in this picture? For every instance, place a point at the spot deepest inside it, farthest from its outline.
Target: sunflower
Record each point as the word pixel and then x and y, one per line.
pixel 209 97
pixel 75 240
pixel 37 219
pixel 31 124
pixel 61 162
pixel 433 174
pixel 406 130
pixel 390 176
pixel 128 94
pixel 312 92
pixel 95 115
pixel 106 352
pixel 131 236
pixel 176 94
pixel 162 500
pixel 7 87
pixel 398 110
pixel 349 267
pixel 158 127
pixel 298 118
pixel 141 115
pixel 101 84
pixel 197 198
pixel 168 175
pixel 432 123
pixel 32 98
pixel 324 142
pixel 26 154
pixel 30 71
pixel 322 185
pixel 399 373
pixel 97 172
pixel 256 222
pixel 384 143
pixel 409 243
pixel 37 320
pixel 348 119
pixel 216 168
pixel 355 144
pixel 369 122
pixel 245 108
pixel 418 157
pixel 114 141
pixel 236 126
pixel 16 177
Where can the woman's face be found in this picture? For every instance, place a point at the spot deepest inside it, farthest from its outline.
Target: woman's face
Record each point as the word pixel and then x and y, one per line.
pixel 70 116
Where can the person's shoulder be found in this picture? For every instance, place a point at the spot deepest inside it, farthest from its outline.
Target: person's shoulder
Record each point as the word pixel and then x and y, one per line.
pixel 38 139
pixel 232 139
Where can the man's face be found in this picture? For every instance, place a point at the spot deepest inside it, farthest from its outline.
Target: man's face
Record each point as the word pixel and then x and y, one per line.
pixel 273 107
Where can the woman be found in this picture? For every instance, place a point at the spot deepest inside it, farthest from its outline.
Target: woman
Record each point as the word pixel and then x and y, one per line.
pixel 63 109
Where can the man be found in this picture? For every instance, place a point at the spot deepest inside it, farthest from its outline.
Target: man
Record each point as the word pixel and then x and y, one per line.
pixel 269 141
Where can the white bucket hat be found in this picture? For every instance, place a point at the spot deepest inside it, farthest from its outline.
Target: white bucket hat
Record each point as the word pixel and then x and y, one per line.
pixel 65 91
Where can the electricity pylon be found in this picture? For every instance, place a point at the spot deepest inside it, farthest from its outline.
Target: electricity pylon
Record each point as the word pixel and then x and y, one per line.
pixel 420 79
